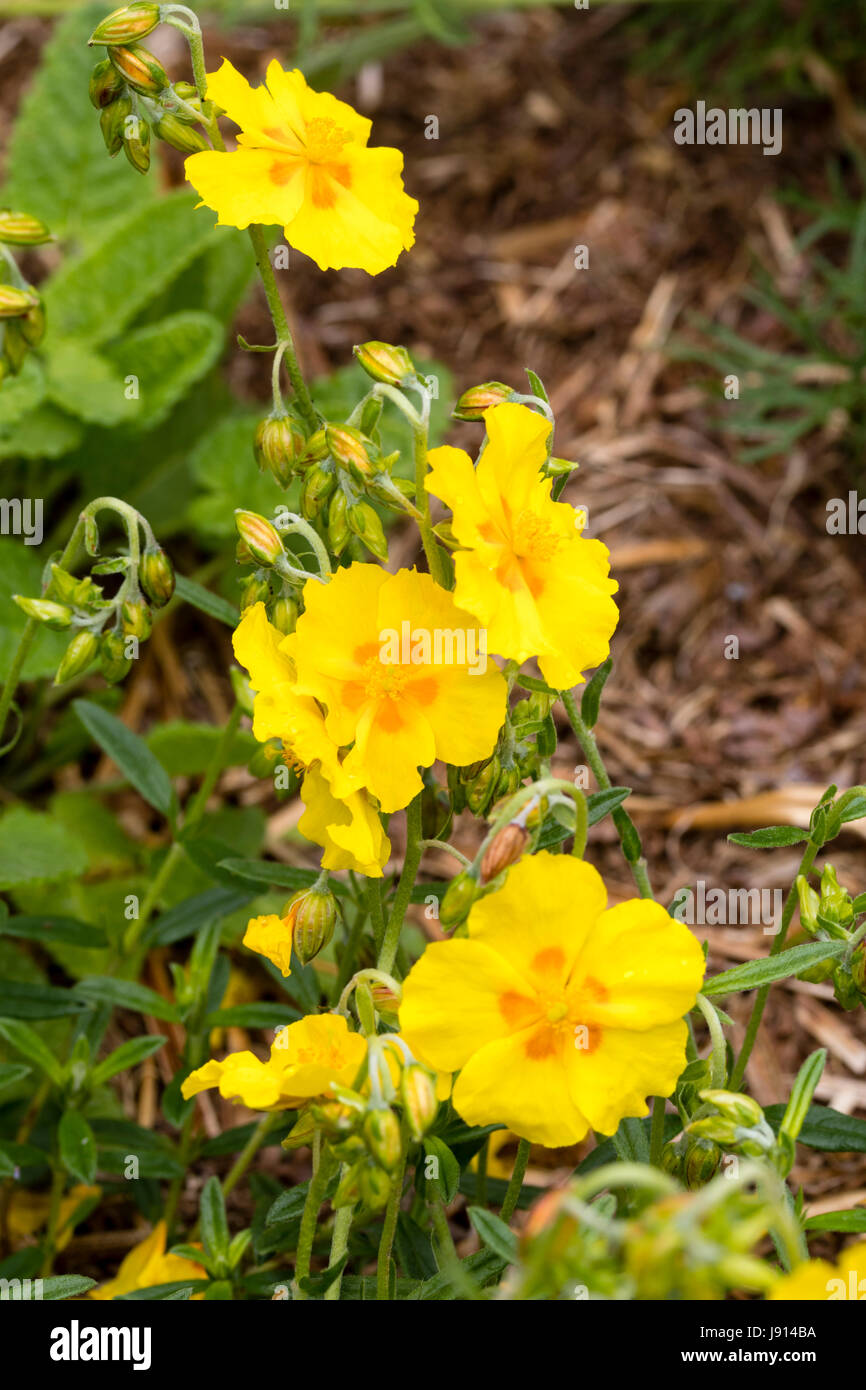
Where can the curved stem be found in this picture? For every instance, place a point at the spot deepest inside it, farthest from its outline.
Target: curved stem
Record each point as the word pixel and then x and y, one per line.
pixel 516 1183
pixel 388 953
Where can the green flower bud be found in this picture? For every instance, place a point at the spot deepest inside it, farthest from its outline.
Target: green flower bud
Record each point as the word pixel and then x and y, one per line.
pixel 179 134
pixel 348 1193
pixel 700 1163
pixel 350 449
pixel 382 1137
pixel 835 900
pixel 14 302
pixel 277 446
pixel 338 525
pixel 284 615
pixel 255 589
pixel 139 69
pixel 260 537
pixel 418 1094
pixel 312 914
pixel 315 449
pixel 481 789
pixel 458 899
pixel 672 1159
pixel 473 403
pixel 136 146
pixel 318 486
pixel 20 229
pixel 54 615
pixel 265 759
pixel 112 123
pixel 374 1186
pixel 106 84
pixel 385 363
pixel 81 651
pixel 127 24
pixel 31 325
pixel 156 576
pixel 337 1119
pixel 734 1106
pixel 809 904
pixel 15 346
pixel 113 661
pixel 135 619
pixel 364 522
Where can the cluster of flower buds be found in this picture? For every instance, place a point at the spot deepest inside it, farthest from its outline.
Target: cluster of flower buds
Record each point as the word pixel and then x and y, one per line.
pixel 260 545
pixel 479 786
pixel 22 317
pixel 78 605
pixel 831 915
pixel 679 1245
pixel 133 95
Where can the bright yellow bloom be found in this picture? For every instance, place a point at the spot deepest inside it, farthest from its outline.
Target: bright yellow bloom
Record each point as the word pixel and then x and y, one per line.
pixel 303 162
pixel 306 1057
pixel 271 936
pixel 339 815
pixel 818 1280
pixel 560 1015
pixel 147 1265
pixel 402 673
pixel 525 571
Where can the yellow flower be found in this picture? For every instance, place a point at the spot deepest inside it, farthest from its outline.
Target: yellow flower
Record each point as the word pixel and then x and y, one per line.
pixel 339 815
pixel 271 936
pixel 303 162
pixel 560 1015
pixel 147 1265
pixel 402 673
pixel 816 1279
pixel 306 1057
pixel 525 571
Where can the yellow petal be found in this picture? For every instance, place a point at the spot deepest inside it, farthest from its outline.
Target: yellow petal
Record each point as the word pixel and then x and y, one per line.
pixel 612 1078
pixel 270 936
pixel 499 1084
pixel 248 185
pixel 349 830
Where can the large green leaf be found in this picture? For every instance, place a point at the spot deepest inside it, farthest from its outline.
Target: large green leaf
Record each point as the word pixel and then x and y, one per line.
pixel 21 394
pixel 131 754
pixel 86 385
pixel 77 1146
pixel 766 971
pixel 125 994
pixel 824 1128
pixel 35 849
pixel 165 359
pixel 57 166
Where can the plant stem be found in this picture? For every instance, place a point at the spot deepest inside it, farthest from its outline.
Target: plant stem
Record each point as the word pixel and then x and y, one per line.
pixel 447 1258
pixel 57 1183
pixel 248 1152
pixel 657 1131
pixel 516 1183
pixel 388 953
pixel 437 562
pixel 339 1246
pixel 389 1227
pixel 759 1005
pixel 315 1197
pixel 719 1054
pixel 281 327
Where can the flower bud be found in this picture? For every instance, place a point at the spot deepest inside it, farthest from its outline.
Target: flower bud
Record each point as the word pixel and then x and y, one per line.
pixel 473 403
pixel 348 1193
pixel 835 900
pixel 14 302
pixel 338 525
pixel 672 1160
pixel 77 657
pixel 385 1001
pixel 386 363
pixel 14 345
pixel 139 69
pixel 382 1137
pixel 136 146
pixel 156 576
pixel 20 229
pixel 505 848
pixel 135 619
pixel 260 537
pixel 112 123
pixel 31 325
pixel 277 446
pixel 255 589
pixel 858 971
pixel 364 522
pixel 337 1119
pixel 809 904
pixel 481 788
pixel 508 782
pixel 127 24
pixel 106 84
pixel 349 449
pixel 54 615
pixel 284 615
pixel 458 899
pixel 113 661
pixel 700 1163
pixel 265 759
pixel 312 915
pixel 180 134
pixel 315 449
pixel 734 1106
pixel 418 1094
pixel 374 1186
pixel 318 486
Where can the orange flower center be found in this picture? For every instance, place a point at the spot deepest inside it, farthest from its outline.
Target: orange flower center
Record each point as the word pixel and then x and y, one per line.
pixel 557 1015
pixel 534 538
pixel 387 684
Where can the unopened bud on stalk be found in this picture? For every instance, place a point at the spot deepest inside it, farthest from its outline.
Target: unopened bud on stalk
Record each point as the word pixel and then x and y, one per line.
pixel 363 521
pixel 473 403
pixel 349 449
pixel 54 615
pixel 14 302
pixel 180 134
pixel 156 576
pixel 734 1106
pixel 382 1137
pixel 481 789
pixel 277 446
pixel 77 657
pixel 113 661
pixel 385 363
pixel 284 615
pixel 418 1094
pixel 20 229
pixel 31 325
pixel 700 1163
pixel 136 146
pixel 312 916
pixel 139 69
pixel 315 449
pixel 265 759
pixel 106 84
pixel 255 589
pixel 338 526
pixel 809 904
pixel 374 1186
pixel 337 1119
pixel 260 537
pixel 858 971
pixel 127 24
pixel 112 123
pixel 385 1001
pixel 318 486
pixel 458 899
pixel 505 849
pixel 135 619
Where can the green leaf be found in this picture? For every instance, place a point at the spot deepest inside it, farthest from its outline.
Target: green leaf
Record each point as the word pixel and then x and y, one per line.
pixel 850 1222
pixel 196 912
pixel 316 1284
pixel 62 1286
pixel 826 1129
pixel 166 358
pixel 494 1233
pixel 771 837
pixel 11 1073
pixel 130 753
pixel 289 1205
pixel 57 165
pixel 87 386
pixel 221 465
pixel 45 434
pixel 21 1000
pixel 278 875
pixel 77 1146
pixel 214 1225
pixel 591 700
pixel 52 931
pixel 125 994
pixel 449 1168
pixel 206 602
pixel 802 1092
pixel 755 973
pixel 94 296
pixel 265 1015
pixel 129 1054
pixel 186 749
pixel 23 1039
pixel 21 394
pixel 35 849
pixel 631 1141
